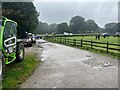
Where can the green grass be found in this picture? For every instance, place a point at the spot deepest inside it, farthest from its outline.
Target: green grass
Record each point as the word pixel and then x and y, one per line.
pixel 110 39
pixel 17 73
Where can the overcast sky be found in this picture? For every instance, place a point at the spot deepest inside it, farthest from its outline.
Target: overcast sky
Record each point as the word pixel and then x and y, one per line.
pixel 58 11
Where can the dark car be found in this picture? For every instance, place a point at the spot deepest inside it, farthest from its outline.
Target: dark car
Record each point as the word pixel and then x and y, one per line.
pixel 106 35
pixel 26 39
pixel 38 37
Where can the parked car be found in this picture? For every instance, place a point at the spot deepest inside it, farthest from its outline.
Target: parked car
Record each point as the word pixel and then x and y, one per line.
pixel 11 48
pixel 26 39
pixel 32 36
pixel 106 35
pixel 38 37
pixel 117 34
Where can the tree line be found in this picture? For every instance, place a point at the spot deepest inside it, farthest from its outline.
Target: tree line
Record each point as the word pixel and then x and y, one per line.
pixel 24 13
pixel 77 25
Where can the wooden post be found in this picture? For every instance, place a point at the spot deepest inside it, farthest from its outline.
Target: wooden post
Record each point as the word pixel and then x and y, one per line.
pixel 68 41
pixel 107 46
pixel 60 40
pixel 91 44
pixel 74 42
pixel 65 40
pixel 81 42
pixel 55 39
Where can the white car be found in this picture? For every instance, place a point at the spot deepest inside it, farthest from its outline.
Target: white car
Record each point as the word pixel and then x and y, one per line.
pixel 26 39
pixel 117 34
pixel 32 36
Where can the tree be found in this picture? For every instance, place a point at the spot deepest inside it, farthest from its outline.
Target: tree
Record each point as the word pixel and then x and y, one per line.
pixel 62 27
pixel 42 28
pixel 52 28
pixel 111 28
pixel 45 27
pixel 77 24
pixel 24 13
pixel 100 30
pixel 91 26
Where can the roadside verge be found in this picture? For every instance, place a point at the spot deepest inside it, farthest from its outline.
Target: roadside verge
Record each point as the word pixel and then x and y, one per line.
pixel 17 73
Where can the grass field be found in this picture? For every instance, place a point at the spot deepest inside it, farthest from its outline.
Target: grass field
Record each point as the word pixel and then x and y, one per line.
pixel 111 39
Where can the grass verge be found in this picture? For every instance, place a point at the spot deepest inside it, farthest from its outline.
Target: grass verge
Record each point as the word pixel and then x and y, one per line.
pixel 17 73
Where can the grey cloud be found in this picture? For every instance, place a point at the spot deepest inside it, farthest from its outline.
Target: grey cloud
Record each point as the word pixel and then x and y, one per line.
pixel 101 12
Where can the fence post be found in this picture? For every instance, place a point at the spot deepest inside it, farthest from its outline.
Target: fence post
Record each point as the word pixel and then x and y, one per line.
pixel 55 39
pixel 52 39
pixel 107 46
pixel 91 44
pixel 60 40
pixel 65 40
pixel 49 39
pixel 68 41
pixel 81 42
pixel 74 41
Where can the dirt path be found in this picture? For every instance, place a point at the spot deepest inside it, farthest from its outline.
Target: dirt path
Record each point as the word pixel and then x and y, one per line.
pixel 66 67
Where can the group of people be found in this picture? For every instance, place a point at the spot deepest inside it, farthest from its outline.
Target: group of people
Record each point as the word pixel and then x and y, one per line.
pixel 97 36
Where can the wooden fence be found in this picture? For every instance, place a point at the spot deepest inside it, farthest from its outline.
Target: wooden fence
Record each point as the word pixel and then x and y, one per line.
pixel 106 46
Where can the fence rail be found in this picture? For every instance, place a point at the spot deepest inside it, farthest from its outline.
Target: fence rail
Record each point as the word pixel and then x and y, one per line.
pixel 106 46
